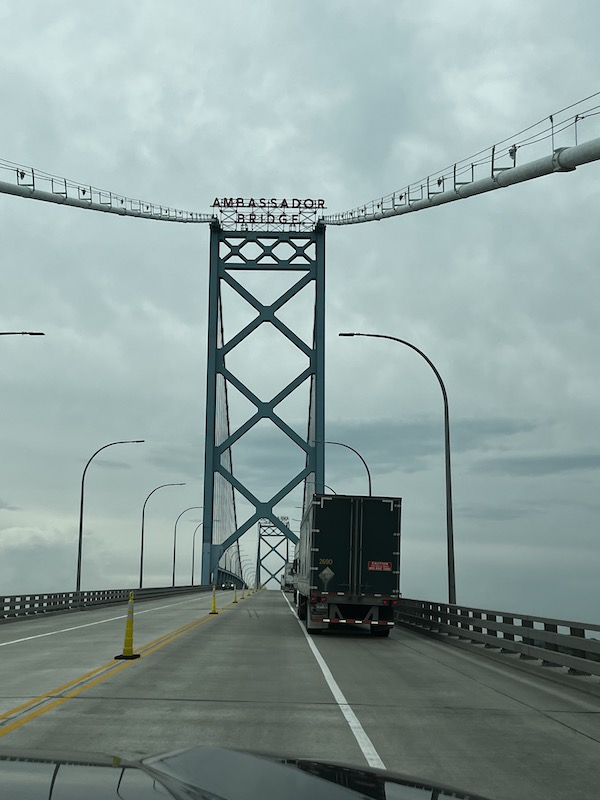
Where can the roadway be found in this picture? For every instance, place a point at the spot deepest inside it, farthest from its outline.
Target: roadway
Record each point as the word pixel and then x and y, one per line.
pixel 249 678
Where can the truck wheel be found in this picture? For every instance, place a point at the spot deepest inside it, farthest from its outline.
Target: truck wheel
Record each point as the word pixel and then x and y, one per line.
pixel 381 632
pixel 301 607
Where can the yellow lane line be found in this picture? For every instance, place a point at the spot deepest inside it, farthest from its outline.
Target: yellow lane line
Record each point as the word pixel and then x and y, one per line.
pixel 175 636
pixel 59 701
pixel 111 665
pixel 110 669
pixel 59 689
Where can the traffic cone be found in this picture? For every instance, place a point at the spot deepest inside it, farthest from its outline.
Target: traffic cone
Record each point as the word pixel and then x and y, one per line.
pixel 128 653
pixel 213 610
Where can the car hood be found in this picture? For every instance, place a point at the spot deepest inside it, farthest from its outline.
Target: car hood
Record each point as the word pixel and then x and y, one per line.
pixel 204 773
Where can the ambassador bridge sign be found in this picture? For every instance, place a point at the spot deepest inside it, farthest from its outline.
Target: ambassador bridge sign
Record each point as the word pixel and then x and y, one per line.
pixel 268 213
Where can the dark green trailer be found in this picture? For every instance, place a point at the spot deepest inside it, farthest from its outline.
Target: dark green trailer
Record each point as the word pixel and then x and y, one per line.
pixel 348 562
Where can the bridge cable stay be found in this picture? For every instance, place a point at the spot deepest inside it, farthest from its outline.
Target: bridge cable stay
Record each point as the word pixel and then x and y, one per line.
pixel 555 139
pixel 224 520
pixel 35 184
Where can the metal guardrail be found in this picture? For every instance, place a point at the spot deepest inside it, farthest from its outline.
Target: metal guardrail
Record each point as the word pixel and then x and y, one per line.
pixel 24 606
pixel 555 642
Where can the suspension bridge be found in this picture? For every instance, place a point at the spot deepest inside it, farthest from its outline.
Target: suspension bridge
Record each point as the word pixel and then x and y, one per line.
pixel 475 683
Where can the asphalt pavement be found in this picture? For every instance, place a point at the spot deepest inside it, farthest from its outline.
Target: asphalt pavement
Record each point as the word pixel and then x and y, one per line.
pixel 248 678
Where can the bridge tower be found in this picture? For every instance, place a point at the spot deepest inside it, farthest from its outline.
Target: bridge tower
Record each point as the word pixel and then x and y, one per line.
pixel 273 552
pixel 239 250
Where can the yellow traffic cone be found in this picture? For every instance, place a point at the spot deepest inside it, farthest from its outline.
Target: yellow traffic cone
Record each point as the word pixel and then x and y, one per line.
pixel 128 643
pixel 213 610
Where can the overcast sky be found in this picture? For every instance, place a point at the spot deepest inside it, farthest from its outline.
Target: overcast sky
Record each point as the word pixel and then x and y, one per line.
pixel 180 102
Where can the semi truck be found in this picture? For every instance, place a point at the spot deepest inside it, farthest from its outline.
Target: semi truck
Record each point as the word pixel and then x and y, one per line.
pixel 287 579
pixel 348 563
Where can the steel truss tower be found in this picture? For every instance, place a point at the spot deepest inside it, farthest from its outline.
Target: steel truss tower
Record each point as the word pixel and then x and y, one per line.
pixel 233 253
pixel 273 552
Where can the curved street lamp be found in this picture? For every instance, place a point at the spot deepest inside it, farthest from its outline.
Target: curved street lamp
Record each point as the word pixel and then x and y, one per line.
pixel 194 546
pixel 449 522
pixel 80 542
pixel 247 570
pixel 175 536
pixel 143 513
pixel 22 333
pixel 194 549
pixel 347 446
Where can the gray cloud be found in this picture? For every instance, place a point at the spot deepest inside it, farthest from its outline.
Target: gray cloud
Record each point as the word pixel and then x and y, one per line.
pixel 490 513
pixel 106 464
pixel 179 104
pixel 182 460
pixel 393 444
pixel 536 466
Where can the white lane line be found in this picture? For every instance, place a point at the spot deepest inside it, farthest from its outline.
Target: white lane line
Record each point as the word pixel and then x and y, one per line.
pixel 365 744
pixel 90 624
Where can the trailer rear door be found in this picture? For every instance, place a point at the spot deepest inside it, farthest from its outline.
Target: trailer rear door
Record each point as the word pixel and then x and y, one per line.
pixel 333 540
pixel 378 554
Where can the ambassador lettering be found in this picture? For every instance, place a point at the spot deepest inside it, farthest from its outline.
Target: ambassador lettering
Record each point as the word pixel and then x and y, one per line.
pixel 305 204
pixel 267 219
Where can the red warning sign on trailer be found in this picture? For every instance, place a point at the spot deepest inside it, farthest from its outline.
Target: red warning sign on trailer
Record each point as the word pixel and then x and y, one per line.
pixel 380 566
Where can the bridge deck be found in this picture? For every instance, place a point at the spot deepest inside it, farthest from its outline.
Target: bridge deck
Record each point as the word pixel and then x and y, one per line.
pixel 247 678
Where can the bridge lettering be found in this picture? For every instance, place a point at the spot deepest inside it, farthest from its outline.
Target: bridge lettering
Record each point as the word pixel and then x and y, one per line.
pixel 307 203
pixel 254 213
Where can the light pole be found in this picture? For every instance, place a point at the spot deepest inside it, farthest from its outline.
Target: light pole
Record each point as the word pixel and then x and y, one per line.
pixel 194 549
pixel 246 570
pixel 80 543
pixel 143 513
pixel 347 446
pixel 449 522
pixel 175 536
pixel 194 546
pixel 22 333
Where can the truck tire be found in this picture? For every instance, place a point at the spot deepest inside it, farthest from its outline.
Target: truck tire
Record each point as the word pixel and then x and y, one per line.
pixel 301 607
pixel 381 632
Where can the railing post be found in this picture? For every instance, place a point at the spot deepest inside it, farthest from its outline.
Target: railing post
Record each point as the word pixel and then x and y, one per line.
pixel 551 628
pixel 510 637
pixel 491 631
pixel 577 653
pixel 527 623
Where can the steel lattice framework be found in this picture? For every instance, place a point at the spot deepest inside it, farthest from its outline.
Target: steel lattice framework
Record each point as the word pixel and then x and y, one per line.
pixel 238 252
pixel 273 551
